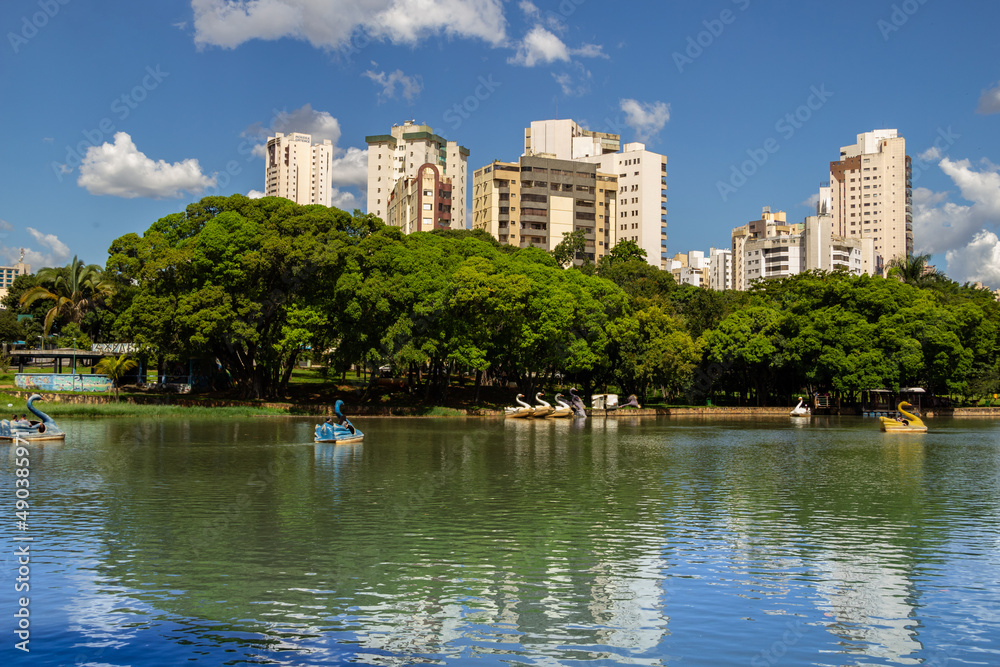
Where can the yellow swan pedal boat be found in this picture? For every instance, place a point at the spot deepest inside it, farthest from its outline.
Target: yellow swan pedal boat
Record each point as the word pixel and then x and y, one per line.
pixel 908 423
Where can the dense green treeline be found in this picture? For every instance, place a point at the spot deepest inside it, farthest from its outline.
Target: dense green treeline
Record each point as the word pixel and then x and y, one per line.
pixel 258 284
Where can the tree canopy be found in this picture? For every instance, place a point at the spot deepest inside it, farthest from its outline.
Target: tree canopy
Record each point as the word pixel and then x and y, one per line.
pixel 257 284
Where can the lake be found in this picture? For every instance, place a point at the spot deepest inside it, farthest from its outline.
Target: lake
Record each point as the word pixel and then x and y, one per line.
pixel 631 541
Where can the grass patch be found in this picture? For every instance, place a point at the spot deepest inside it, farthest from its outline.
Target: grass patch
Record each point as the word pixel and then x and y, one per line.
pixel 441 411
pixel 14 404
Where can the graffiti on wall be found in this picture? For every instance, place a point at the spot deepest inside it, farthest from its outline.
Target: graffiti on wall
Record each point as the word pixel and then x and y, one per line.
pixel 62 382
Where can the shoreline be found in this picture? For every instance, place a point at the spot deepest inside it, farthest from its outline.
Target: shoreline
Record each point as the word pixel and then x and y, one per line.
pixel 438 412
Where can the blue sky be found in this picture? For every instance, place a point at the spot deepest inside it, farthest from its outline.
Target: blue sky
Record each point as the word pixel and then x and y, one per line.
pixel 120 112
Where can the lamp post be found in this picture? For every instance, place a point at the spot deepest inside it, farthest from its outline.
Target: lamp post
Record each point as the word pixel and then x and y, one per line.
pixel 74 363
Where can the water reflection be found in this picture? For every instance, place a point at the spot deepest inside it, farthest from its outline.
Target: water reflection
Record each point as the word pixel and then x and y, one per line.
pixel 619 540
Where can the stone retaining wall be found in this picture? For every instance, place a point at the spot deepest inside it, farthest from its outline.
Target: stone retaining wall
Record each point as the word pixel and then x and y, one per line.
pixel 388 411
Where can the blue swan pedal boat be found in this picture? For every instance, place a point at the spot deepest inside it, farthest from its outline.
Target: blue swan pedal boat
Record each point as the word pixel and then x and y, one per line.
pixel 341 431
pixel 42 429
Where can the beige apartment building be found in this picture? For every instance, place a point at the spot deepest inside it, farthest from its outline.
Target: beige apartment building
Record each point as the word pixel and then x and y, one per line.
pixel 401 156
pixel 534 201
pixel 9 273
pixel 297 169
pixel 871 196
pixel 642 179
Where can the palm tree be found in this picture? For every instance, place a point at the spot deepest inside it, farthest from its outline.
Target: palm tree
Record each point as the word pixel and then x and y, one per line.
pixel 76 288
pixel 115 369
pixel 915 271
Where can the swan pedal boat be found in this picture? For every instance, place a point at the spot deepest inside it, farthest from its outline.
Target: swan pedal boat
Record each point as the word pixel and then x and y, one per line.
pixel 800 410
pixel 343 433
pixel 543 409
pixel 37 431
pixel 909 423
pixel 520 411
pixel 564 410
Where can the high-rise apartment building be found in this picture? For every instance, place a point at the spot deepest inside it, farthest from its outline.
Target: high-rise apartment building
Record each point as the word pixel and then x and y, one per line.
pixel 642 179
pixel 422 203
pixel 771 248
pixel 871 196
pixel 720 269
pixel 534 201
pixel 9 273
pixel 564 139
pixel 401 155
pixel 769 224
pixel 298 169
pixel 642 198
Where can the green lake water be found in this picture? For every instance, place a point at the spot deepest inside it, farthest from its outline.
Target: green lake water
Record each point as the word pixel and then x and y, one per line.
pixel 481 542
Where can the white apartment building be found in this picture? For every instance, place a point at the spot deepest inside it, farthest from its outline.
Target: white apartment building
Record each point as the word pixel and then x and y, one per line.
pixel 691 268
pixel 720 269
pixel 642 198
pixel 565 140
pixel 825 251
pixel 297 169
pixel 871 196
pixel 401 154
pixel 769 224
pixel 778 250
pixel 642 179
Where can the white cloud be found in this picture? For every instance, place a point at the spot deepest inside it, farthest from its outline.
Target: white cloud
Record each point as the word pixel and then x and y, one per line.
pixel 330 24
pixel 410 85
pixel 540 47
pixel 811 201
pixel 565 81
pixel 647 119
pixel 351 169
pixel 55 253
pixel 977 261
pixel 121 170
pixel 590 51
pixel 255 194
pixel 932 153
pixel 344 200
pixel 989 101
pixel 577 83
pixel 529 8
pixel 320 124
pixel 543 47
pixel 941 225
